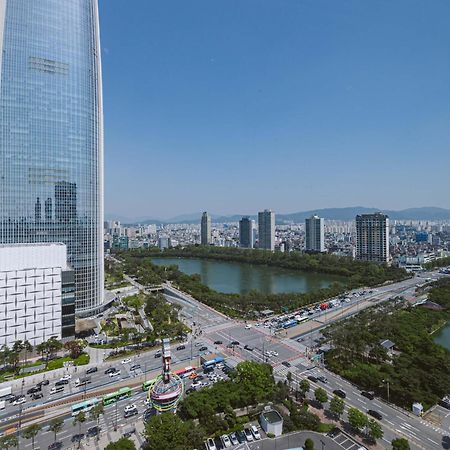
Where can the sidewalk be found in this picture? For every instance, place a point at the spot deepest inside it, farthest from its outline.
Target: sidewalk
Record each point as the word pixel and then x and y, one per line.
pixel 112 436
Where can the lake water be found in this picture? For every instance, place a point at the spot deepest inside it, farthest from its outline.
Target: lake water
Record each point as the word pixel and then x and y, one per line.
pixel 442 336
pixel 240 278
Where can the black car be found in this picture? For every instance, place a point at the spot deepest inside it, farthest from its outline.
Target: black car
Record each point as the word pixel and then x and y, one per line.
pixel 61 382
pixel 158 355
pixel 218 443
pixel 91 370
pixel 190 390
pixel 368 395
pixel 312 378
pixel 55 446
pixel 37 395
pixel 241 436
pixel 135 367
pixel 340 393
pixel 110 370
pixel 77 437
pixel 375 414
pixel 235 343
pixel 202 349
pixel 208 369
pixel 93 431
pixel 218 342
pixel 181 347
pixel 286 364
pixel 33 390
pixel 333 433
pixel 43 383
pixel 248 347
pixel 199 378
pixel 12 398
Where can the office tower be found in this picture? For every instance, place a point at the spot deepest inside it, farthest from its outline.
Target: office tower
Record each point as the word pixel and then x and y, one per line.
pixel 246 226
pixel 314 234
pixel 266 230
pixel 37 293
pixel 51 136
pixel 205 230
pixel 372 237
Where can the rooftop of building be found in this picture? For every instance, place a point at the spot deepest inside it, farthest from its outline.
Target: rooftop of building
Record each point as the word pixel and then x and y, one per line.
pixel 272 416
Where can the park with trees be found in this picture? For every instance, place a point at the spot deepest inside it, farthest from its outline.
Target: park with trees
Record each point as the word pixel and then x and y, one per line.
pixel 417 370
pixel 138 263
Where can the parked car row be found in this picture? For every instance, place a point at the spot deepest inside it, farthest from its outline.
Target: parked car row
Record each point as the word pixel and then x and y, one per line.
pixel 249 434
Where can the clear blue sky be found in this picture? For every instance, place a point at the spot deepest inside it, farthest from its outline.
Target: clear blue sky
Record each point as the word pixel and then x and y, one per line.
pixel 232 106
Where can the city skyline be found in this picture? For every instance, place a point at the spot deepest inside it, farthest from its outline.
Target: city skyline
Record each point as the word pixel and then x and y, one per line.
pixel 312 96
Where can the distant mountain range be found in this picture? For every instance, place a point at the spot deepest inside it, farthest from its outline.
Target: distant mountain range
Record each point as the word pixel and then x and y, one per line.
pixel 349 213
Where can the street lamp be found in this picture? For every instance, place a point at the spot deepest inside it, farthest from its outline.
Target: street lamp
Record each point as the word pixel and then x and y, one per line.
pixel 387 386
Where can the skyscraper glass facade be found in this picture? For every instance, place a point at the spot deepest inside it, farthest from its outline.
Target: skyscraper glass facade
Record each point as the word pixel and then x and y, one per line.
pixel 51 133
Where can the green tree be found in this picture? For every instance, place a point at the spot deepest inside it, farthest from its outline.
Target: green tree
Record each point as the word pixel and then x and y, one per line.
pixel 337 406
pixel 75 347
pixel 122 444
pixel 374 430
pixel 55 426
pixel 28 349
pixel 357 419
pixel 304 386
pixel 400 444
pixel 289 378
pixel 79 419
pixel 166 431
pixel 95 414
pixel 256 380
pixel 321 395
pixel 7 442
pixel 31 432
pixel 309 444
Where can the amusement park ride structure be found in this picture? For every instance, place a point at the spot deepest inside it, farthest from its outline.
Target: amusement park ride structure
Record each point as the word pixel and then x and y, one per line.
pixel 167 390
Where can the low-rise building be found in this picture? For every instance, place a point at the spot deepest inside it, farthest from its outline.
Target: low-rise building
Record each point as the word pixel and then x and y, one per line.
pixel 271 422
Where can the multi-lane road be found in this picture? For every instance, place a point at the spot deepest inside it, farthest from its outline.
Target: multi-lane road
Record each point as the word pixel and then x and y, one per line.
pixel 215 331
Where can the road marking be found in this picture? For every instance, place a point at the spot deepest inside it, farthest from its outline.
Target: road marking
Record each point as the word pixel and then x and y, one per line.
pixel 431 440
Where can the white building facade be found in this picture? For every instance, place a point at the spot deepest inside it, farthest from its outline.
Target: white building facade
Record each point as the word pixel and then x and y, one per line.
pixel 37 293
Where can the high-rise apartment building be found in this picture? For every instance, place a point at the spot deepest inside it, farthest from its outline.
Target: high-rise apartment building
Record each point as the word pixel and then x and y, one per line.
pixel 314 234
pixel 372 237
pixel 266 230
pixel 51 134
pixel 205 229
pixel 246 226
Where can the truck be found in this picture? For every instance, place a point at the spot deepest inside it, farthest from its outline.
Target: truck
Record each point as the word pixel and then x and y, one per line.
pixel 5 391
pixel 82 381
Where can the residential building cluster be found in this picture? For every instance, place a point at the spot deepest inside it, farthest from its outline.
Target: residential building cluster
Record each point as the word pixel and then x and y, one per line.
pixel 369 237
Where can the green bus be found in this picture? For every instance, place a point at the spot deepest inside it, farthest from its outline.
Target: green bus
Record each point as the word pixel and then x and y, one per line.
pixel 146 385
pixel 124 392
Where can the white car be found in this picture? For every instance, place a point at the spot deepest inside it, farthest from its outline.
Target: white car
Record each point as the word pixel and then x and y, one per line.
pixel 248 434
pixel 114 374
pixel 130 408
pixel 274 353
pixel 248 326
pixel 196 384
pixel 234 439
pixel 255 432
pixel 225 441
pixel 19 401
pixel 66 377
pixel 210 444
pixel 126 361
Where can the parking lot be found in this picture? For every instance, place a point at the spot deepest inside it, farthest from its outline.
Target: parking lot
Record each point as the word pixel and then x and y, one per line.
pixel 344 440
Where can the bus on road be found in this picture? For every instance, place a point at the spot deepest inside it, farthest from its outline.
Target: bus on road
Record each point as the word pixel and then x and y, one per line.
pixel 84 406
pixel 184 373
pixel 212 362
pixel 124 392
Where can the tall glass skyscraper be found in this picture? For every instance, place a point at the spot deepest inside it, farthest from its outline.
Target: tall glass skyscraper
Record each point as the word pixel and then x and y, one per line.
pixel 51 133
